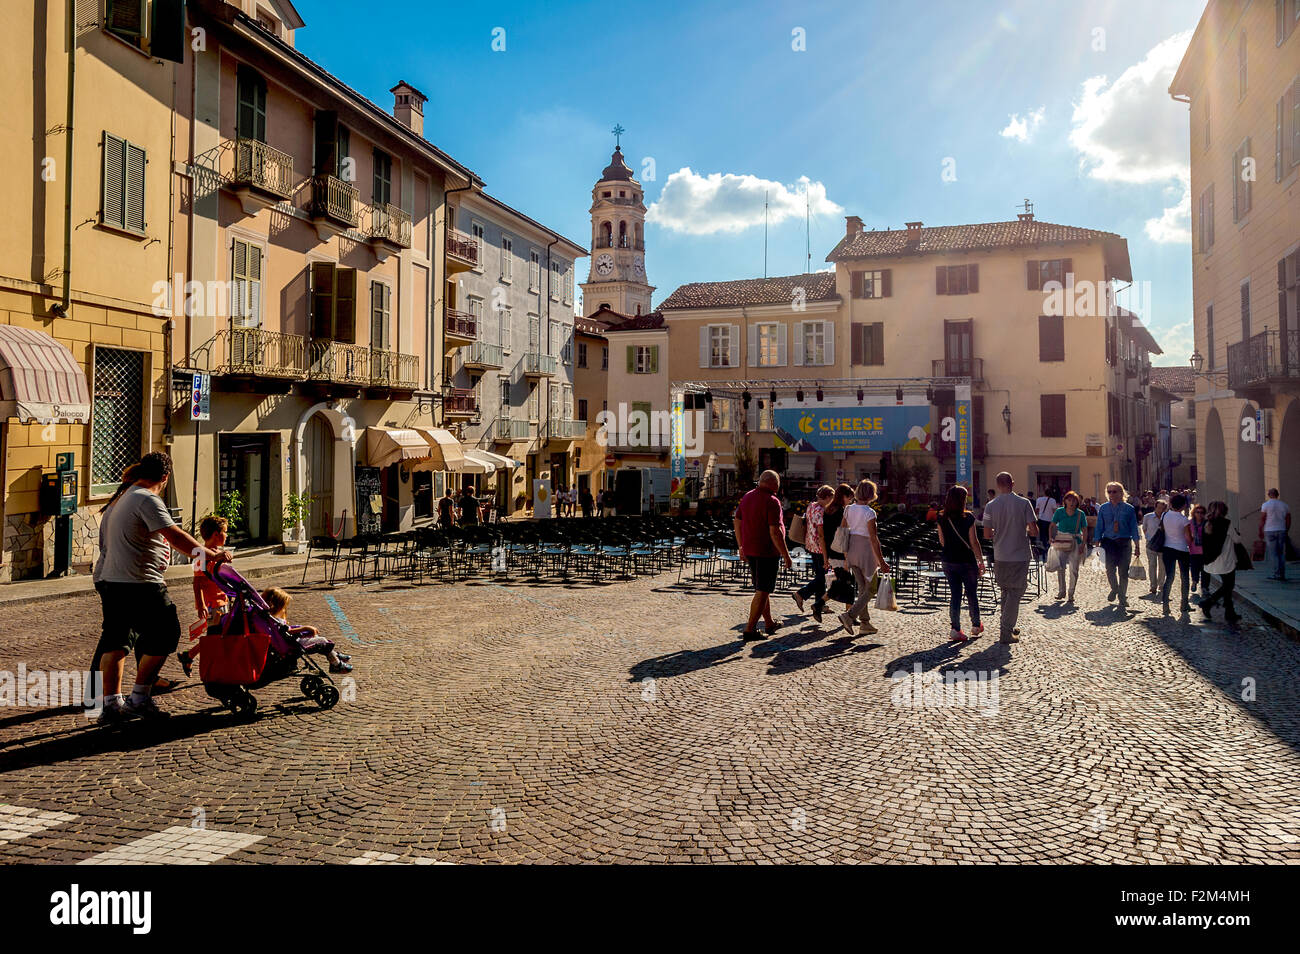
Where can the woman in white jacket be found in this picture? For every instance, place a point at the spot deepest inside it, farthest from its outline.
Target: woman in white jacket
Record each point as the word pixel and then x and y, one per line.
pixel 863 556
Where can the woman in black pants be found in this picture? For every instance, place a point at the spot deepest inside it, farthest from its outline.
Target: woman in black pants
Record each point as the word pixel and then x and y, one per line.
pixel 1214 538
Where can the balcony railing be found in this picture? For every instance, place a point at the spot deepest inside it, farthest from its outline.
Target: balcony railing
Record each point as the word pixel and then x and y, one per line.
pixel 392 369
pixel 482 355
pixel 972 368
pixel 260 353
pixel 459 324
pixel 1262 360
pixel 537 363
pixel 338 362
pixel 510 429
pixel 335 200
pixel 390 224
pixel 565 429
pixel 460 402
pixel 260 167
pixel 462 248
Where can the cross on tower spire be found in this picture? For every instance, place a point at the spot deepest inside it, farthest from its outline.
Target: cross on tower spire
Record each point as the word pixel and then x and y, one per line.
pixel 618 132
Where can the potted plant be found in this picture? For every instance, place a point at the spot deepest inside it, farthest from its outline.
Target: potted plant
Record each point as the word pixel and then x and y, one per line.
pixel 295 512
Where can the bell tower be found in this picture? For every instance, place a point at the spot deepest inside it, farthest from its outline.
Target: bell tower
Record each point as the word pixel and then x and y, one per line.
pixel 617 277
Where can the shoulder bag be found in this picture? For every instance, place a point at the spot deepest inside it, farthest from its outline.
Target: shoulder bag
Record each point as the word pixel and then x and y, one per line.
pixel 798 529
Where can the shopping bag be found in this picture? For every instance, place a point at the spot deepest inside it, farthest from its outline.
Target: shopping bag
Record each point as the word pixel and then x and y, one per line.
pixel 885 596
pixel 236 655
pixel 1096 562
pixel 1054 559
pixel 842 588
pixel 798 530
pixel 1137 572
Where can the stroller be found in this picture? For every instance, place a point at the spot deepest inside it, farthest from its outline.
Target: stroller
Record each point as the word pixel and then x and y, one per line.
pixel 253 648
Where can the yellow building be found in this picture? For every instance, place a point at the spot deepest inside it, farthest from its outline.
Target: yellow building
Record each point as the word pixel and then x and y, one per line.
pixel 1240 78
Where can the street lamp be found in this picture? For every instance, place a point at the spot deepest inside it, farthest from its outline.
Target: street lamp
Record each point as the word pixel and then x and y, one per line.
pixel 1006 416
pixel 1197 362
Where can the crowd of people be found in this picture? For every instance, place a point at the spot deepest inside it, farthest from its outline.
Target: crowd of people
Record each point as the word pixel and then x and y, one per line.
pixel 1194 542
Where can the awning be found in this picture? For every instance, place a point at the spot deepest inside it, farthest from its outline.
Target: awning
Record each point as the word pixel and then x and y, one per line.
pixel 390 445
pixel 495 461
pixel 40 379
pixel 471 463
pixel 445 452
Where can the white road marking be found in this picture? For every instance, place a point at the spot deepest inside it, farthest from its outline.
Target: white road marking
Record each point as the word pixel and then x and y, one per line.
pixel 16 822
pixel 179 845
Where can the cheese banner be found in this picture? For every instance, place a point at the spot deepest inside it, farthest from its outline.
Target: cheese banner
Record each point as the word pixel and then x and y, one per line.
pixel 847 426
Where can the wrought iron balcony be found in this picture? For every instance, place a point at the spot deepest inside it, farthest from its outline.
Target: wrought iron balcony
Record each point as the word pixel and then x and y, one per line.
pixel 459 327
pixel 1264 359
pixel 459 402
pixel 335 201
pixel 338 362
pixel 972 368
pixel 539 365
pixel 389 225
pixel 392 369
pixel 509 430
pixel 565 429
pixel 262 170
pixel 480 356
pixel 462 251
pixel 256 352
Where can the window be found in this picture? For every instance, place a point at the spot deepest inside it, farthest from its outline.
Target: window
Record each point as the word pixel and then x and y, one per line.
pixel 1241 65
pixel 582 409
pixel 333 302
pixel 642 359
pixel 383 178
pixel 555 281
pixel 765 417
pixel 476 232
pixel 116 417
pixel 127 20
pixel 1241 185
pixel 122 192
pixel 534 270
pixel 1053 412
pixel 720 415
pixel 1049 270
pixel 532 401
pixel 566 344
pixel 1280 164
pixel 956 279
pixel 568 285
pixel 768 345
pixel 507 257
pixel 873 284
pixel 245 284
pixel 717 343
pixel 534 334
pixel 1209 336
pixel 959 347
pixel 868 343
pixel 1051 338
pixel 1286 129
pixel 250 108
pixel 582 354
pixel 1205 218
pixel 553 338
pixel 381 306
pixel 1245 310
pixel 504 384
pixel 1205 123
pixel 604 358
pixel 817 344
pixel 1114 424
pixel 1286 16
pixel 503 328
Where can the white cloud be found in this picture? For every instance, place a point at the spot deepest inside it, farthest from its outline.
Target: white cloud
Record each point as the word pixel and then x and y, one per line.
pixel 1023 129
pixel 1177 343
pixel 726 202
pixel 1130 131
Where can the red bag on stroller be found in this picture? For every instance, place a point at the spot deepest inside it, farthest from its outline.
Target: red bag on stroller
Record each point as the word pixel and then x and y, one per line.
pixel 235 656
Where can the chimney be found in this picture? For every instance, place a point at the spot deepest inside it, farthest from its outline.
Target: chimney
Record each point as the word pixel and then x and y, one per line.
pixel 408 106
pixel 913 232
pixel 852 225
pixel 1025 216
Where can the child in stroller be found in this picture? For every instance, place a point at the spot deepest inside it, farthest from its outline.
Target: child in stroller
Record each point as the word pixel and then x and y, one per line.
pixel 309 640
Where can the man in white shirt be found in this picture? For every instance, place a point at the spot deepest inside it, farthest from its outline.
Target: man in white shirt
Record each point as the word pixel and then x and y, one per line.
pixel 1155 563
pixel 1274 522
pixel 1045 507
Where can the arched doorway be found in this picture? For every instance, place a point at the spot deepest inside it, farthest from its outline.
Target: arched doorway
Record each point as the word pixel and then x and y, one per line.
pixel 1214 482
pixel 318 474
pixel 1250 476
pixel 1287 442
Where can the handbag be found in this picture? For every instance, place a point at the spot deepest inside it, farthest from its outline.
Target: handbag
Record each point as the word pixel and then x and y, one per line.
pixel 885 596
pixel 841 542
pixel 1243 558
pixel 843 589
pixel 1157 542
pixel 798 529
pixel 1137 571
pixel 235 656
pixel 1228 559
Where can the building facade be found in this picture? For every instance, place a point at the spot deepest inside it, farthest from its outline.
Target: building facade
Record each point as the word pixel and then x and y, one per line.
pixel 636 430
pixel 591 396
pixel 617 280
pixel 1240 78
pixel 1178 384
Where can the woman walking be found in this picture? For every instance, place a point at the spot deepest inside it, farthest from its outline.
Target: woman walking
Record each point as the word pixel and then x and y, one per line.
pixel 1070 522
pixel 1219 554
pixel 832 517
pixel 1196 547
pixel 1176 552
pixel 864 558
pixel 963 562
pixel 814 542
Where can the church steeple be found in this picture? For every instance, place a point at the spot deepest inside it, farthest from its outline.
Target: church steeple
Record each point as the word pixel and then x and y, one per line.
pixel 617 278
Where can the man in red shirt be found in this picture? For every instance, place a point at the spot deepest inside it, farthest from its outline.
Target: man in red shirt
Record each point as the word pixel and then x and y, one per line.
pixel 760 534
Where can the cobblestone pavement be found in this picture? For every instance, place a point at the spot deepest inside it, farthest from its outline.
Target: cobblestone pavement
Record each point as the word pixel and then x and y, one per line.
pixel 541 723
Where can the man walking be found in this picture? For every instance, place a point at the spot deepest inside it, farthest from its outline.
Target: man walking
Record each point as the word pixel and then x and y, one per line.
pixel 1117 529
pixel 1010 521
pixel 760 535
pixel 1274 523
pixel 1046 506
pixel 1150 526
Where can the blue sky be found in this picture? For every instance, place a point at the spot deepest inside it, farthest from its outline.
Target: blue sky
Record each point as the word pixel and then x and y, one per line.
pixel 1063 103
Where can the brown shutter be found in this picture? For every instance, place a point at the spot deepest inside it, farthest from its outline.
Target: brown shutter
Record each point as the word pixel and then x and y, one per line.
pixel 345 305
pixel 857 332
pixel 1032 272
pixel 855 284
pixel 327 126
pixel 1067 266
pixel 322 300
pixel 973 278
pixel 885 289
pixel 1052 408
pixel 940 280
pixel 878 343
pixel 1042 338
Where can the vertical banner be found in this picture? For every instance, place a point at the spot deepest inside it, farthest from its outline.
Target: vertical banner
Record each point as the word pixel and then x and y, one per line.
pixel 678 437
pixel 964 436
pixel 541 498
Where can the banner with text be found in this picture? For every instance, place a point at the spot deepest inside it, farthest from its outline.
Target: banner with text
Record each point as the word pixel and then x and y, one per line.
pixel 844 425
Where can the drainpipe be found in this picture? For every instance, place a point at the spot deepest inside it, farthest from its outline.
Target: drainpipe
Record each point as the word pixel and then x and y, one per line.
pixel 61 309
pixel 169 328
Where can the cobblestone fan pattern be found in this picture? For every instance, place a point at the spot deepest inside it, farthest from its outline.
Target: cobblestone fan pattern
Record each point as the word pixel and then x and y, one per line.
pixel 544 723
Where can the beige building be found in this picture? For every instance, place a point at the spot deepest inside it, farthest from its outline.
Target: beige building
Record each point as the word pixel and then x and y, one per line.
pixel 1179 385
pixel 1240 78
pixel 636 419
pixel 591 396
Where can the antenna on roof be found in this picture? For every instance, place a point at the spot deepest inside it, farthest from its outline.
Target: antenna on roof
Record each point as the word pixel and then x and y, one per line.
pixel 1028 207
pixel 765 233
pixel 807 231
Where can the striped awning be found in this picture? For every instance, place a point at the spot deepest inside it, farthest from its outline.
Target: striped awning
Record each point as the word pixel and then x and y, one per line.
pixel 495 461
pixel 40 380
pixel 392 445
pixel 445 452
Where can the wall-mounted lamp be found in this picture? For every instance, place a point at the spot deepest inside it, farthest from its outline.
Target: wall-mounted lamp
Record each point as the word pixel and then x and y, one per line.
pixel 1006 416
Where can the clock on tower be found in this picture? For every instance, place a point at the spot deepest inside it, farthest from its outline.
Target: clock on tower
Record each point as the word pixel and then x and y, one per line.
pixel 617 273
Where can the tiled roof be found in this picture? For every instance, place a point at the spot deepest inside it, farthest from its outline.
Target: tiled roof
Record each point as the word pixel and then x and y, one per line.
pixel 818 286
pixel 590 326
pixel 960 238
pixel 638 323
pixel 1175 380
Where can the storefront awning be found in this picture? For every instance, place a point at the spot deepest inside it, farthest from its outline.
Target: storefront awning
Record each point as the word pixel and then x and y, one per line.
pixel 495 461
pixel 472 463
pixel 391 445
pixel 445 452
pixel 40 379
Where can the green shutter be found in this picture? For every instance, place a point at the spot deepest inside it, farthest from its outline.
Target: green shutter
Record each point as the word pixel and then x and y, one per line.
pixel 654 359
pixel 113 191
pixel 322 300
pixel 133 197
pixel 345 305
pixel 631 360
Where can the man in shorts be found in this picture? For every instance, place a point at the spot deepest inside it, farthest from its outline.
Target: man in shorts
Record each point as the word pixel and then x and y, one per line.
pixel 760 534
pixel 136 533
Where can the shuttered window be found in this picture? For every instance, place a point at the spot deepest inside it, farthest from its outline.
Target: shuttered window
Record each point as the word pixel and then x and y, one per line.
pixel 1053 412
pixel 1209 336
pixel 333 303
pixel 872 284
pixel 1245 311
pixel 1039 273
pixel 956 279
pixel 868 343
pixel 250 111
pixel 381 307
pixel 245 284
pixel 126 19
pixel 1241 185
pixel 1205 218
pixel 1051 338
pixel 383 178
pixel 122 191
